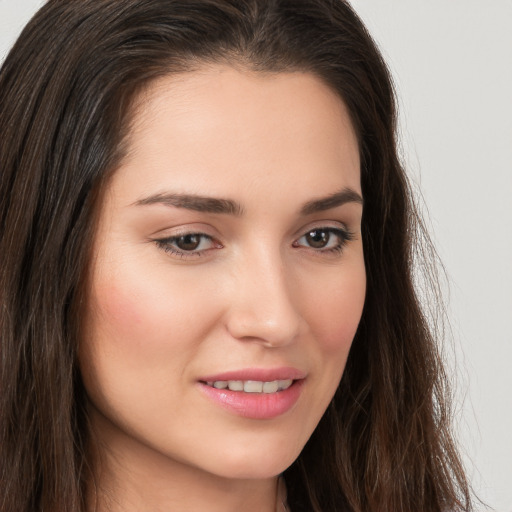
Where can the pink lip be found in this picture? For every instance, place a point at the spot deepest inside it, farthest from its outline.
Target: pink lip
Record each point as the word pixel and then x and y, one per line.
pixel 256 405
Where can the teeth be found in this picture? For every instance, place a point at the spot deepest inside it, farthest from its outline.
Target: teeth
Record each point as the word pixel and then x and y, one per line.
pixel 235 385
pixel 284 384
pixel 252 386
pixel 270 387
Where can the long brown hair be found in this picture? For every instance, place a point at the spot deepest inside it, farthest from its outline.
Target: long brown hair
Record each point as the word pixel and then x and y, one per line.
pixel 66 88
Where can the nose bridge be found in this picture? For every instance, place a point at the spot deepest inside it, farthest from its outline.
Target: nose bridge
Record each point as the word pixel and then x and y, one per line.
pixel 262 307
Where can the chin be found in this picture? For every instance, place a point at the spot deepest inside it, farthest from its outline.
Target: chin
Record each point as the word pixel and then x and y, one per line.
pixel 256 469
pixel 259 463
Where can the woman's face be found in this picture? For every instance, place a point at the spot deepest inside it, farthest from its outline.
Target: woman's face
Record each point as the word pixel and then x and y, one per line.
pixel 228 253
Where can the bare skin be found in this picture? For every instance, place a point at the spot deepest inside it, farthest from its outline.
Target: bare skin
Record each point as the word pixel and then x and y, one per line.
pixel 272 279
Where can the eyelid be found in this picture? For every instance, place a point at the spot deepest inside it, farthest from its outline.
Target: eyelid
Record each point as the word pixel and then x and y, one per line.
pixel 166 244
pixel 323 224
pixel 193 228
pixel 341 231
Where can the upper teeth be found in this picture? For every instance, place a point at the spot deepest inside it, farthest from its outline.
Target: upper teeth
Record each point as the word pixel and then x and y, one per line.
pixel 252 386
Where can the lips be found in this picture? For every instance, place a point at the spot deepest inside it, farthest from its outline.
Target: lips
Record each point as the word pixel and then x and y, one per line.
pixel 255 393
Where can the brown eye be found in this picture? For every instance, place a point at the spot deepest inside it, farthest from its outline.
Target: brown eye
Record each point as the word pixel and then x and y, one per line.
pixel 188 245
pixel 318 238
pixel 188 242
pixel 324 240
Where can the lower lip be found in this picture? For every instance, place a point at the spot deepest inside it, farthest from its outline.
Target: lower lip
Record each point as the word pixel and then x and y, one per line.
pixel 260 406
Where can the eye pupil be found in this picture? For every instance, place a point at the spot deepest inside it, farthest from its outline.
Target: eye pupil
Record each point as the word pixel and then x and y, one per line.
pixel 318 238
pixel 188 242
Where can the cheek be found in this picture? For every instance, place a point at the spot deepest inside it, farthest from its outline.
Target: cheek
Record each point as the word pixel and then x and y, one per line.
pixel 126 319
pixel 137 332
pixel 116 306
pixel 146 323
pixel 336 312
pixel 138 337
pixel 140 310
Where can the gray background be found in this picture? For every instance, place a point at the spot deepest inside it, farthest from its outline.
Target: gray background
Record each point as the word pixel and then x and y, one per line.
pixel 452 63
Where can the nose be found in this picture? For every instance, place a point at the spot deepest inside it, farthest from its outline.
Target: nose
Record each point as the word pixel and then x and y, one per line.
pixel 261 308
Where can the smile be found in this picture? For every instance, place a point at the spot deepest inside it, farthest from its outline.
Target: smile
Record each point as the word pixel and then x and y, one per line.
pixel 254 393
pixel 252 386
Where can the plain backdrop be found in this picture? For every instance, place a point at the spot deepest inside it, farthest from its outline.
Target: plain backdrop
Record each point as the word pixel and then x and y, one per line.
pixel 452 64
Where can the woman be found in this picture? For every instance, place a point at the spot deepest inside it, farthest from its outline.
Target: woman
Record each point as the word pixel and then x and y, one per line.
pixel 206 281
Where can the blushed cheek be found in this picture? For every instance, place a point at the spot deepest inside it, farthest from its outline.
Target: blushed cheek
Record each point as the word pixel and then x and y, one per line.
pixel 120 309
pixel 144 317
pixel 339 314
pixel 122 322
pixel 127 340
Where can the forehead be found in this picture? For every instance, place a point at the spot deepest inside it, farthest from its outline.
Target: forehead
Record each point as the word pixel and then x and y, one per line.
pixel 219 121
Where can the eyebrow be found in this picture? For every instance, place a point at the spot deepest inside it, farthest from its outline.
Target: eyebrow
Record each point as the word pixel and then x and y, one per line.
pixel 229 207
pixel 347 195
pixel 196 203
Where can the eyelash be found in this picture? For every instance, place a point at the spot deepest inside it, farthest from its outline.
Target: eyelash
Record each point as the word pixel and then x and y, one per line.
pixel 165 245
pixel 344 236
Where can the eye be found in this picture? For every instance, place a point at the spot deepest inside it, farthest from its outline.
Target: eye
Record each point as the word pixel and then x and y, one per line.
pixel 324 239
pixel 187 245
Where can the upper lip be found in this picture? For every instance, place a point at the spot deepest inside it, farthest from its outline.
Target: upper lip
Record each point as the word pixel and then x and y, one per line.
pixel 258 374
